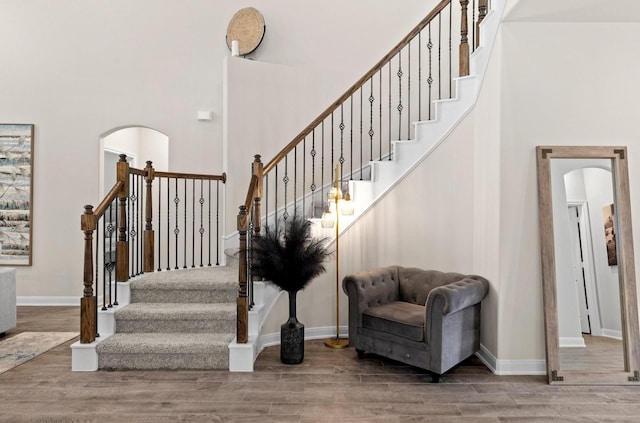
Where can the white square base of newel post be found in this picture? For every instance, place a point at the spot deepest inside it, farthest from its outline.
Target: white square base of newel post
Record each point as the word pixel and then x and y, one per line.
pixel 242 356
pixel 84 357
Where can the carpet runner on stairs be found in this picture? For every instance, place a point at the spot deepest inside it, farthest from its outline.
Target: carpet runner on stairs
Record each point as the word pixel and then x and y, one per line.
pixel 179 319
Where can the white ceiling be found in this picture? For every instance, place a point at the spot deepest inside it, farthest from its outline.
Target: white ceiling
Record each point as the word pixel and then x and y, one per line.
pixel 573 11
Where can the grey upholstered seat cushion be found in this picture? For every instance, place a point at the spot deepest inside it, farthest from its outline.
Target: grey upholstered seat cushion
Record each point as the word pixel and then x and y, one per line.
pixel 398 318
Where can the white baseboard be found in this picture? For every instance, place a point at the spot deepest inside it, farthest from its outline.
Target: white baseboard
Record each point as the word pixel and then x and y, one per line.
pixel 572 342
pixel 511 367
pixel 272 339
pixel 611 333
pixel 47 301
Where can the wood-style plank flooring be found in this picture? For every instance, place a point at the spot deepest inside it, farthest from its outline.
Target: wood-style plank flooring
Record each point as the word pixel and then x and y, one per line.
pixel 329 386
pixel 600 353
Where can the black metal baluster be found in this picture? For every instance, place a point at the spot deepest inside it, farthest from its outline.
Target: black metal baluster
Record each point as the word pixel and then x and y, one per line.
pixel 285 180
pixel 430 77
pixel 275 199
pixel 168 223
pixel 304 174
pixel 201 229
pixel 193 223
pixel 341 159
pixel 439 56
pixel 104 262
pixel 111 266
pixel 420 75
pixel 450 38
pixel 409 90
pixel 351 136
pixel 389 146
pixel 184 236
pixel 209 224
pixel 295 180
pixel 332 148
pixel 473 26
pixel 313 172
pixel 115 259
pixel 176 230
pixel 361 152
pixel 322 170
pixel 128 225
pixel 371 132
pixel 380 119
pixel 96 243
pixel 138 224
pixel 217 223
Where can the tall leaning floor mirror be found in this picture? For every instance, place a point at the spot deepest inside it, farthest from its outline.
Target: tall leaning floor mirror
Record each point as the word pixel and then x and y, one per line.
pixel 588 270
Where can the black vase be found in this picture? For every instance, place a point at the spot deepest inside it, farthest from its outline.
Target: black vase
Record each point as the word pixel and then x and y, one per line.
pixel 292 336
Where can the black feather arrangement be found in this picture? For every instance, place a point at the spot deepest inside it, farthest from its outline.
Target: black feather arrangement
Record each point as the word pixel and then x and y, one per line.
pixel 289 256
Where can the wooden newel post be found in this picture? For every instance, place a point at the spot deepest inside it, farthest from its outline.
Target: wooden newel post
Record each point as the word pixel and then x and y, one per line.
pixel 242 324
pixel 122 259
pixel 464 40
pixel 88 301
pixel 257 169
pixel 482 12
pixel 149 235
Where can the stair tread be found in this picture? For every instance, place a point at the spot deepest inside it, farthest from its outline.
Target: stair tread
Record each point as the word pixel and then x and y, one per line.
pixel 164 311
pixel 164 343
pixel 218 277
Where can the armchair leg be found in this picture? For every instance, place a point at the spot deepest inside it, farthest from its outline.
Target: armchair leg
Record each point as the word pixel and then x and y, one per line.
pixel 435 378
pixel 360 353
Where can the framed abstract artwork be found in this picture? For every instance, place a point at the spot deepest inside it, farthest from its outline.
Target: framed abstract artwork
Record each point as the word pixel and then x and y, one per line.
pixel 16 194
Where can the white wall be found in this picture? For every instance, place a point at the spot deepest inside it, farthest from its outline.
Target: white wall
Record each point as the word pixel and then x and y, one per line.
pixel 81 69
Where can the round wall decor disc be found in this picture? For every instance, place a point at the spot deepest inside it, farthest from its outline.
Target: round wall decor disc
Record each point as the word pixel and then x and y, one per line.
pixel 246 26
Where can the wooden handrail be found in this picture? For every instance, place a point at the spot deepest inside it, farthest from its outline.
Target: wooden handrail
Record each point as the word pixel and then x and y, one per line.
pixel 180 175
pixel 356 86
pixel 251 193
pixel 107 201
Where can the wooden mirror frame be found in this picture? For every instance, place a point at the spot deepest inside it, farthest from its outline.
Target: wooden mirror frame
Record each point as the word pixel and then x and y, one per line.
pixel 626 272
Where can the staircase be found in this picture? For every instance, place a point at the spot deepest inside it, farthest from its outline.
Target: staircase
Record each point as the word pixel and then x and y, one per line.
pixel 181 319
pixel 186 319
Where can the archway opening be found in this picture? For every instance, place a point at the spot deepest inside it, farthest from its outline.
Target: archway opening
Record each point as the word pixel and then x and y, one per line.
pixel 139 143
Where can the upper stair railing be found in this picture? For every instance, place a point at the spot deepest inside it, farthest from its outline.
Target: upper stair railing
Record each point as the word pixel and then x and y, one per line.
pixel 358 128
pixel 120 241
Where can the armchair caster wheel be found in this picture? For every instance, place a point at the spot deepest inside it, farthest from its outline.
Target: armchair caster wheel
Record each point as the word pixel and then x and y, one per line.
pixel 360 353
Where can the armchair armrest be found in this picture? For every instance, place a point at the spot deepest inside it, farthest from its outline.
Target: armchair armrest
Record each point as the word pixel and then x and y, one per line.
pixel 448 299
pixel 458 295
pixel 368 289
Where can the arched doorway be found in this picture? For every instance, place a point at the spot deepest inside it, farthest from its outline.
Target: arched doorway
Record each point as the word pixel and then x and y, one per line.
pixel 139 144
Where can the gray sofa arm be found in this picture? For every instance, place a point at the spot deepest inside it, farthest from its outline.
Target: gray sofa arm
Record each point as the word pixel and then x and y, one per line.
pixel 446 300
pixel 458 295
pixel 368 289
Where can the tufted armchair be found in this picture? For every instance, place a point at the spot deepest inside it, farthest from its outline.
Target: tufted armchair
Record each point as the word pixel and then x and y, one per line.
pixel 424 318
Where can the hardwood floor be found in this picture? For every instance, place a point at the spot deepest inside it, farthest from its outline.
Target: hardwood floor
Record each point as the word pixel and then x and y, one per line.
pixel 600 353
pixel 329 386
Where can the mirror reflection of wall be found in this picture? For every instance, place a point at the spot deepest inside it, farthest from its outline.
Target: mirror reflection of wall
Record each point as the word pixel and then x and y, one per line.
pixel 589 316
